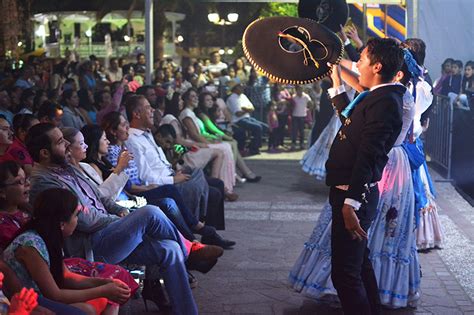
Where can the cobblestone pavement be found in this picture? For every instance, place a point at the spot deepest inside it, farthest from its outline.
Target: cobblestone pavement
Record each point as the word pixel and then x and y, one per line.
pixel 273 219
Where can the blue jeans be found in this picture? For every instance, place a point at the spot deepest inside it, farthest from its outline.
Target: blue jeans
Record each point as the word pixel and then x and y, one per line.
pixel 256 129
pixel 148 237
pixel 174 213
pixel 59 308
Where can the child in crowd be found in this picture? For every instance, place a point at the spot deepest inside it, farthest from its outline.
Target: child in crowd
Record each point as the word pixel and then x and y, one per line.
pixel 272 121
pixel 467 87
pixel 452 85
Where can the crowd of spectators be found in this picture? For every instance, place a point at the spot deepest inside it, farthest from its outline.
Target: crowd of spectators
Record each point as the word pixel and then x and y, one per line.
pixel 100 171
pixel 456 84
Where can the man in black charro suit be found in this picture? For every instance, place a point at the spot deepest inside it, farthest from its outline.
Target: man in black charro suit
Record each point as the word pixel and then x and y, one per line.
pixel 355 164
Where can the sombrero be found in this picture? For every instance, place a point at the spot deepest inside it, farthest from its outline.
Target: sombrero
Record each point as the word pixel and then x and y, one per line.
pixel 291 50
pixel 330 13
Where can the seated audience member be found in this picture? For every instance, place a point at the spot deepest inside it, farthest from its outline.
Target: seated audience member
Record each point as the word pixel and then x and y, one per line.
pixel 72 117
pixel 199 154
pixel 6 105
pixel 196 132
pixel 98 168
pixel 154 168
pixel 15 213
pixel 206 103
pixel 111 184
pixel 107 103
pixel 6 136
pixel 107 230
pixel 241 108
pixel 17 150
pixel 50 112
pixel 27 101
pixel 116 128
pixel 36 256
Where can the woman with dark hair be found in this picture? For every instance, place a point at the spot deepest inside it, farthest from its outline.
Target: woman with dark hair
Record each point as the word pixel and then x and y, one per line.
pixel 6 135
pixel 199 154
pixel 72 117
pixel 17 150
pixel 59 75
pixel 40 97
pixel 109 181
pixel 36 255
pixel 26 101
pixel 206 102
pixel 86 106
pixel 116 128
pixel 196 132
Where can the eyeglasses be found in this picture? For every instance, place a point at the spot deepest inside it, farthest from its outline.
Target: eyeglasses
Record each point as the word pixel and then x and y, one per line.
pixel 22 182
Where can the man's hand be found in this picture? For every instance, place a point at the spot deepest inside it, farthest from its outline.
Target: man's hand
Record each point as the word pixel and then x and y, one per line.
pixel 335 75
pixel 351 222
pixel 180 177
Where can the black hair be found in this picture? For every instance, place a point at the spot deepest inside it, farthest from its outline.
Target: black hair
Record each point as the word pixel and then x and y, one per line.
pixel 92 135
pixel 67 95
pixel 388 53
pixel 187 94
pixel 143 89
pixel 26 94
pixel 7 168
pixel 99 96
pixel 172 105
pixel 201 107
pixel 38 139
pixel 46 221
pixel 22 122
pixel 166 130
pixel 48 109
pixel 132 104
pixel 458 63
pixel 110 122
pixel 418 49
pixel 84 100
pixel 36 102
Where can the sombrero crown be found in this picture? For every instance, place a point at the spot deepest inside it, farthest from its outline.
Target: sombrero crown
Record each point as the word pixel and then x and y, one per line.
pixel 291 50
pixel 330 13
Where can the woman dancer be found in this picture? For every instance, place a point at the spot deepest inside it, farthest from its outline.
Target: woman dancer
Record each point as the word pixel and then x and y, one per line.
pixel 315 158
pixel 391 239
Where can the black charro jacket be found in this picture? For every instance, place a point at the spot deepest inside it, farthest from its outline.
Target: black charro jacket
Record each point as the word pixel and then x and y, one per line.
pixel 359 152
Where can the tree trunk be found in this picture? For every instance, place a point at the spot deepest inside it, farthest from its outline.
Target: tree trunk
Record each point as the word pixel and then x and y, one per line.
pixel 10 27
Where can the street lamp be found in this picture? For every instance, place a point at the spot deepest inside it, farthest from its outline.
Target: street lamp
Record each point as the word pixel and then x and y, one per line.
pixel 215 19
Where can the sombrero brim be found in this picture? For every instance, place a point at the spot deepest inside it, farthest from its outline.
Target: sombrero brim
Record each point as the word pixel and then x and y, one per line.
pixel 262 47
pixel 332 14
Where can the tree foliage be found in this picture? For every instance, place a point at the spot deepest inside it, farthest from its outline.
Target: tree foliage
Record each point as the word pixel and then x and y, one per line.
pixel 280 9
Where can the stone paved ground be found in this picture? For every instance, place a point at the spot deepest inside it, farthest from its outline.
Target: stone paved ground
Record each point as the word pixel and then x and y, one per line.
pixel 273 219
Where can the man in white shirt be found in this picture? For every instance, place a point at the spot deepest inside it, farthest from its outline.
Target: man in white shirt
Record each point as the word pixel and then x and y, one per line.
pixel 216 66
pixel 301 101
pixel 154 168
pixel 241 107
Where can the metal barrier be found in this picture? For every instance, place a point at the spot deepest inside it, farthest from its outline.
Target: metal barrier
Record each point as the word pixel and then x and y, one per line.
pixel 439 136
